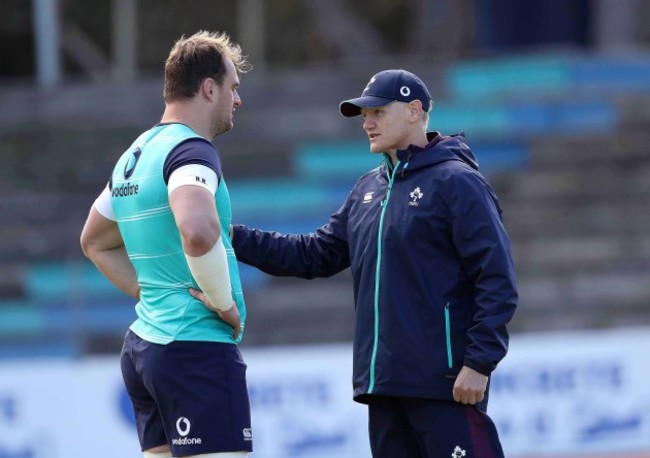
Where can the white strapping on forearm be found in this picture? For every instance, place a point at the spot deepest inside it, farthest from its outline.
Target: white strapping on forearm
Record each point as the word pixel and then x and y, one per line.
pixel 211 274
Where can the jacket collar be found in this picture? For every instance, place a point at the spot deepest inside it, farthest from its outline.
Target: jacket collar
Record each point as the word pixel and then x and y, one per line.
pixel 440 148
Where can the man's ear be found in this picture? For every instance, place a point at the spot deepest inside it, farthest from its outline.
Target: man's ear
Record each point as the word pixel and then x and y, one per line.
pixel 415 110
pixel 209 88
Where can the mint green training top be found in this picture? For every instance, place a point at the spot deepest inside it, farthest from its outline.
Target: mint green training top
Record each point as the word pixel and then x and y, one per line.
pixel 166 310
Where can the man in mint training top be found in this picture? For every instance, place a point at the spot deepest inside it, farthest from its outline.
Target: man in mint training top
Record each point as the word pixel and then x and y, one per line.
pixel 156 233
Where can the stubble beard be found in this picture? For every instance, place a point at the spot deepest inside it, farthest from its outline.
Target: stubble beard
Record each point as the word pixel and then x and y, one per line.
pixel 221 125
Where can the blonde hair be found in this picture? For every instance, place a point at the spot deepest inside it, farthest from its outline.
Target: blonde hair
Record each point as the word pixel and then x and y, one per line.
pixel 195 58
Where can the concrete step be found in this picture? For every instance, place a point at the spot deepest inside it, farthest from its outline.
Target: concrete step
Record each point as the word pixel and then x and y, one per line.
pixel 565 255
pixel 53 241
pixel 610 183
pixel 583 300
pixel 569 317
pixel 526 220
pixel 293 311
pixel 624 149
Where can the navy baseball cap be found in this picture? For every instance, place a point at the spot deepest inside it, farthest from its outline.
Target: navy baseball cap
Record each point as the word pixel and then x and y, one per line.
pixel 386 87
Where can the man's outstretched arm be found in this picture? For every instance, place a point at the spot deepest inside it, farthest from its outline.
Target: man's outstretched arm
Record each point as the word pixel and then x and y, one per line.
pixel 321 253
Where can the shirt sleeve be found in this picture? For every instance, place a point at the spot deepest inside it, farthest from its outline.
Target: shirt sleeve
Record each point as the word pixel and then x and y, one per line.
pixel 192 151
pixel 193 175
pixel 103 204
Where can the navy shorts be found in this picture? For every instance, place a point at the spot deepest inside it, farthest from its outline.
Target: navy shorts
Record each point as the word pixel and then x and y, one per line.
pixel 190 395
pixel 425 428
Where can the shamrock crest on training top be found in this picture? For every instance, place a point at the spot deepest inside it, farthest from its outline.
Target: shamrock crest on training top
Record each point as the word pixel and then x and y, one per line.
pixel 458 452
pixel 416 195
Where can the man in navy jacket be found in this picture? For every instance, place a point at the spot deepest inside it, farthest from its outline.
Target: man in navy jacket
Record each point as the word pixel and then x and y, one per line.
pixel 434 279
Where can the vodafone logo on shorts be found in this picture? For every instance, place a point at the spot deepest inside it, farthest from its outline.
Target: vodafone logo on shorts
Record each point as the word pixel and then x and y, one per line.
pixel 183 427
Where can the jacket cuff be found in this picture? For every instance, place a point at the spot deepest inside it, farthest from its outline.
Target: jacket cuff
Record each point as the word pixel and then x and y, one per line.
pixel 482 368
pixel 235 230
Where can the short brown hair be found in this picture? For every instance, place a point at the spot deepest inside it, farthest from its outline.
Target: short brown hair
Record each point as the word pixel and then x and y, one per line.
pixel 200 56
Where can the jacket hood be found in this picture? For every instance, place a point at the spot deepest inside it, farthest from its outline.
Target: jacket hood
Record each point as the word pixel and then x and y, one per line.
pixel 441 148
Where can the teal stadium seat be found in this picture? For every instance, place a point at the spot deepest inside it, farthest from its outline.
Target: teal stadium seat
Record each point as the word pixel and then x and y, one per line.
pixel 523 96
pixel 548 75
pixel 66 281
pixel 18 318
pixel 495 78
pixel 334 162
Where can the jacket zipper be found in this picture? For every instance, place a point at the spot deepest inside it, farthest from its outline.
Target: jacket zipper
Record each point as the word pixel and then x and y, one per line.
pixel 384 204
pixel 406 166
pixel 448 336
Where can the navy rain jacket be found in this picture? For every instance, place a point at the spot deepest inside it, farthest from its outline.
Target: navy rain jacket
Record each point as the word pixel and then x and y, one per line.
pixel 434 279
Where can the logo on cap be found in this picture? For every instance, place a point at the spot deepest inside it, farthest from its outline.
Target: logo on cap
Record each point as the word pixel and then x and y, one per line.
pixel 385 87
pixel 372 80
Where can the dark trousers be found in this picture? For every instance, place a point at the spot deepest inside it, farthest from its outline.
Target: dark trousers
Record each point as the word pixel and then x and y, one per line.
pixel 425 428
